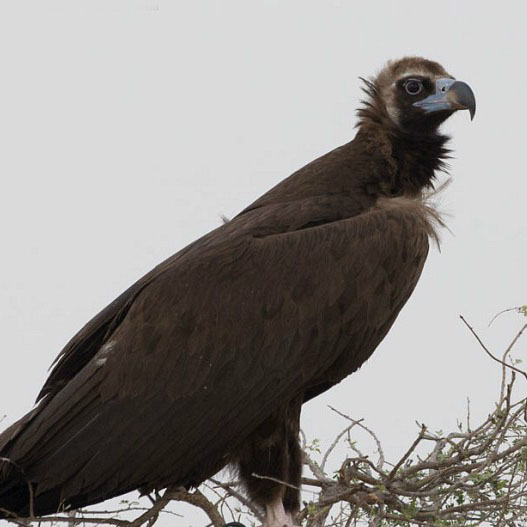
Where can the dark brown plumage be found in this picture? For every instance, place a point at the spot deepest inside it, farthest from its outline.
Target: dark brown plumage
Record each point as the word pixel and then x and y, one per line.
pixel 208 358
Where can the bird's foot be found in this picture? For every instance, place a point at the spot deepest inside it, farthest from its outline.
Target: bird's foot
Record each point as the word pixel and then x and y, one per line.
pixel 276 516
pixel 286 522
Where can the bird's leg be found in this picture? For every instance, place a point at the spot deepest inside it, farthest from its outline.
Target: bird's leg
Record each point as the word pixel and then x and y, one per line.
pixel 270 465
pixel 291 497
pixel 276 516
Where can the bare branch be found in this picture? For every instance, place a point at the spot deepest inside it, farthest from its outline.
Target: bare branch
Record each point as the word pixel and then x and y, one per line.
pixel 408 452
pixel 521 372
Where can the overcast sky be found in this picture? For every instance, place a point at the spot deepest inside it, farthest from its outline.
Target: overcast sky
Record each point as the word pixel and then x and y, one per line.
pixel 128 127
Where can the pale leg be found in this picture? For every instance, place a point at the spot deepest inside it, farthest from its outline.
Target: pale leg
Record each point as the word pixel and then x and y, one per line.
pixel 275 515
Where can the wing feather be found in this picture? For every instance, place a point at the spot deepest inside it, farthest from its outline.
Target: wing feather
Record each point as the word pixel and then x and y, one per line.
pixel 206 347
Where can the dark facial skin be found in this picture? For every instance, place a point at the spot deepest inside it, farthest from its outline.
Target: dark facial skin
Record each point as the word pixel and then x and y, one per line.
pixel 413 120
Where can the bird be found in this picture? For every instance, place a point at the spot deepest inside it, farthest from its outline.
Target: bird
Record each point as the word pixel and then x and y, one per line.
pixel 207 360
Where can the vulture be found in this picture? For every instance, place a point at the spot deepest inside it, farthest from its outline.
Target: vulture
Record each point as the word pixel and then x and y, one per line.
pixel 207 360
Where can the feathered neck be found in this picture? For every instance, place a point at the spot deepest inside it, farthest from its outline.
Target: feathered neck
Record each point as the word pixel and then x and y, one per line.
pixel 415 155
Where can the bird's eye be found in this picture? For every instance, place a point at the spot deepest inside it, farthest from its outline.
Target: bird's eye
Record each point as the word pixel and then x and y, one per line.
pixel 413 87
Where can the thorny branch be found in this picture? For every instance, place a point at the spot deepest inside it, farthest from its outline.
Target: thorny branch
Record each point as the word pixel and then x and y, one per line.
pixel 473 476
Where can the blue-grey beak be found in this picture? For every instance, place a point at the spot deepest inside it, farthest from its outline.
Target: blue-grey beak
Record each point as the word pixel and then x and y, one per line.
pixel 450 95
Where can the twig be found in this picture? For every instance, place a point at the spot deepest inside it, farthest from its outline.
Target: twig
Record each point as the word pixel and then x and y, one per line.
pixel 501 313
pixel 276 480
pixel 334 444
pixel 380 462
pixel 66 519
pixel 408 452
pixel 198 499
pixel 521 372
pixel 505 355
pixel 242 499
pixel 518 309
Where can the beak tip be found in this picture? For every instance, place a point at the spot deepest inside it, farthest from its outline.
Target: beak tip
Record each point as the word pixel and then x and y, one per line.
pixel 463 96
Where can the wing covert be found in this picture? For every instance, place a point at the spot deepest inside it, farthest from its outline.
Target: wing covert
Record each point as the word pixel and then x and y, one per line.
pixel 231 328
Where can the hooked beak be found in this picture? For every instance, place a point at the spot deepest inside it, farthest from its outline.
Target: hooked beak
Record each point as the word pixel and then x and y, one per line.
pixel 450 95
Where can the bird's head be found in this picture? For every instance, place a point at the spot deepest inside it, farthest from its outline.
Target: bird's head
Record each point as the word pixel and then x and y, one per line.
pixel 415 95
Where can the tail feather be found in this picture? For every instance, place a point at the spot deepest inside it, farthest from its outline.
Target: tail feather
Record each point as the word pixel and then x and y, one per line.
pixel 17 497
pixel 17 501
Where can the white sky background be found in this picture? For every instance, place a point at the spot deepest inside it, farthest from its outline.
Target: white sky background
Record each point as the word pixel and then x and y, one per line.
pixel 127 128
